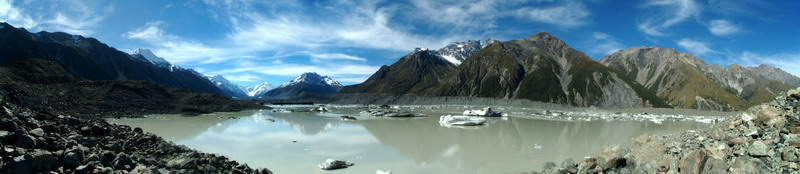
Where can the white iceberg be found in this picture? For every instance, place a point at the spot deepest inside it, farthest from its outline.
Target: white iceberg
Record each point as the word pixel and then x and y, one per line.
pixel 485 112
pixel 460 120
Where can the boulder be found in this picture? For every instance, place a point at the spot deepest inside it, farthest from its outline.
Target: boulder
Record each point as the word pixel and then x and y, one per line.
pixel 140 169
pixel 122 161
pixel 549 165
pixel 26 141
pixel 587 166
pixel 73 158
pixel 568 164
pixel 758 149
pixel 614 155
pixel 715 166
pixel 38 132
pixel 38 161
pixel 332 164
pixel 693 162
pixel 789 154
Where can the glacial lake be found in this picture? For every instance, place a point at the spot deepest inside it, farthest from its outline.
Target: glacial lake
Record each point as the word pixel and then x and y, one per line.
pixel 296 142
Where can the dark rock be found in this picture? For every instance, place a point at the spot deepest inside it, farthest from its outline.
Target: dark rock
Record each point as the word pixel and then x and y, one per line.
pixel 138 130
pixel 144 170
pixel 107 157
pixel 26 141
pixel 568 164
pixel 549 165
pixel 122 161
pixel 332 164
pixel 73 158
pixel 38 161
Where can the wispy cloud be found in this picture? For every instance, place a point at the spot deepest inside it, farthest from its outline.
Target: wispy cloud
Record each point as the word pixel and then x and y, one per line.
pixel 722 27
pixel 76 17
pixel 482 14
pixel 333 56
pixel 177 49
pixel 603 44
pixel 242 77
pixel 569 15
pixel 672 12
pixel 694 46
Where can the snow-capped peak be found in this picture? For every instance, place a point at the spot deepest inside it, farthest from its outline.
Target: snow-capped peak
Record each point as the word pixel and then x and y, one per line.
pixel 456 52
pixel 149 55
pixel 420 49
pixel 312 78
pixel 489 42
pixel 258 90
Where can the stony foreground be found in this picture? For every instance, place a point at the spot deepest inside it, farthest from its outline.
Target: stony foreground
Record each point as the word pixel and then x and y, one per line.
pixel 40 142
pixel 765 139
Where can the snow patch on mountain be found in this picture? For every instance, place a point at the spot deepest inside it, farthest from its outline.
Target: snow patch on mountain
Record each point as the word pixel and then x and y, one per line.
pixel 258 90
pixel 458 51
pixel 148 56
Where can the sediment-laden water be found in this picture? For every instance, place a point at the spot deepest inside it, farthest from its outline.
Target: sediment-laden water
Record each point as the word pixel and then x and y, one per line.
pixel 296 142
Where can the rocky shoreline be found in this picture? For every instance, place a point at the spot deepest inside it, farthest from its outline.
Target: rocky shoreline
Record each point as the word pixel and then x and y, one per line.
pixel 40 142
pixel 764 139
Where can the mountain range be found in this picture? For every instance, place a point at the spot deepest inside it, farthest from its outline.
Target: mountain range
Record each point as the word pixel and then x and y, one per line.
pixel 309 82
pixel 88 58
pixel 538 68
pixel 544 68
pixel 233 90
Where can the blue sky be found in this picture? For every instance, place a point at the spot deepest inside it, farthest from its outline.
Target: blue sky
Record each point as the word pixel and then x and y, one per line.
pixel 252 41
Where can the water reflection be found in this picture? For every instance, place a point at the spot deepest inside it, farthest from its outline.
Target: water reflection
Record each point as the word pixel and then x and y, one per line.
pixel 306 123
pixel 296 142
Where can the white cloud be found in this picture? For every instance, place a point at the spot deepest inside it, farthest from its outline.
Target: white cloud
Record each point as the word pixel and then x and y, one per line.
pixel 482 14
pixel 722 27
pixel 15 16
pixel 242 77
pixel 674 12
pixel 694 46
pixel 75 17
pixel 569 15
pixel 602 43
pixel 460 13
pixel 333 56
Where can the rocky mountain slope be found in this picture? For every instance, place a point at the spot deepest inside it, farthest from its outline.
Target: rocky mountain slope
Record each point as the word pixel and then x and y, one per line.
pixel 90 59
pixel 419 70
pixel 415 72
pixel 44 85
pixel 686 81
pixel 776 74
pixel 543 68
pixel 149 56
pixel 309 82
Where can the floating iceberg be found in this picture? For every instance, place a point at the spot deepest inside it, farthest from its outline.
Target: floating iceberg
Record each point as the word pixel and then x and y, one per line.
pixel 460 120
pixel 485 112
